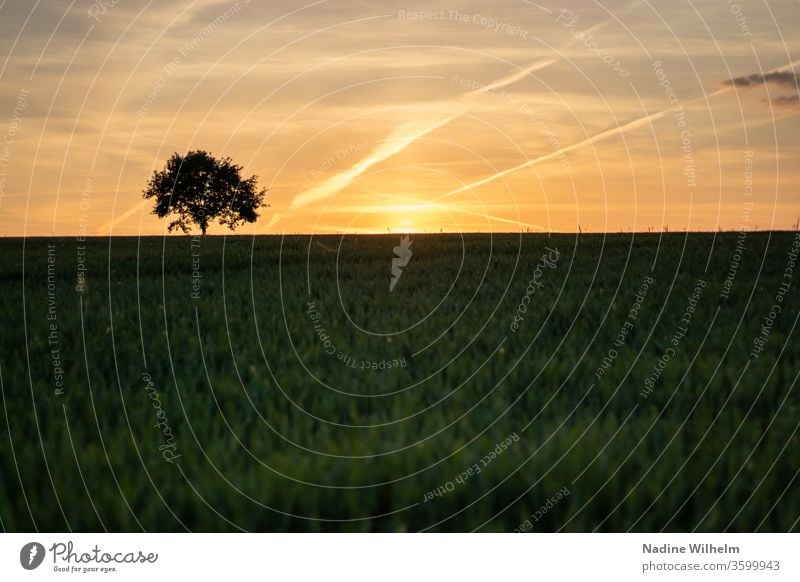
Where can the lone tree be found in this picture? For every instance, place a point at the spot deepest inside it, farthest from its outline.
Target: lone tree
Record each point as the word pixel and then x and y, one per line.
pixel 199 188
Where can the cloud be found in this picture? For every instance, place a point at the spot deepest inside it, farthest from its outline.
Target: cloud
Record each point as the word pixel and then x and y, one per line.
pixel 785 78
pixel 787 100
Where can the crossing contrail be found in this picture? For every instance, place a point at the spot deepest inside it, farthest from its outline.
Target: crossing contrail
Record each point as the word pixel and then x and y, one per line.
pixel 398 141
pixel 408 133
pixel 625 127
pixel 636 123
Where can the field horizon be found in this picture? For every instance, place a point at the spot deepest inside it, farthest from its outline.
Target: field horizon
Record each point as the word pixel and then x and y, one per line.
pixel 400 232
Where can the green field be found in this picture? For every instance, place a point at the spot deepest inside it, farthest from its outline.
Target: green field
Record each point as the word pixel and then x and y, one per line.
pixel 186 384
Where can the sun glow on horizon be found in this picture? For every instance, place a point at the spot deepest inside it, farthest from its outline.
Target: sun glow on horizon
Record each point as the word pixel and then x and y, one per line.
pixel 405 226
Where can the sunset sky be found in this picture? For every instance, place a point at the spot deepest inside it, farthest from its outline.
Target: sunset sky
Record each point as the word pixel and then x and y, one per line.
pixel 376 116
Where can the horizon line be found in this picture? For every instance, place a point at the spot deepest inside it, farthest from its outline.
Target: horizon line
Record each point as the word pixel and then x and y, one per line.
pixel 376 234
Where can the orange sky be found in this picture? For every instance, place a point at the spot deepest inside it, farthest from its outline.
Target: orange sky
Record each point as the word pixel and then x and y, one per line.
pixel 367 116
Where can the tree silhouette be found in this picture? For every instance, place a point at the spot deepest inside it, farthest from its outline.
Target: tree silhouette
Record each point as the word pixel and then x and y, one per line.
pixel 199 188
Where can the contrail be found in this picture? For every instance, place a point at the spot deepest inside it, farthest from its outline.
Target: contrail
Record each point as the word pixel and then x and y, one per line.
pixel 399 140
pixel 109 226
pixel 513 77
pixel 395 143
pixel 634 124
pixel 406 134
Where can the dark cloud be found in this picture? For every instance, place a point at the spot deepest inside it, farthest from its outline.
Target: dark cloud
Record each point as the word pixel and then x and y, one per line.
pixel 780 78
pixel 787 100
pixel 785 78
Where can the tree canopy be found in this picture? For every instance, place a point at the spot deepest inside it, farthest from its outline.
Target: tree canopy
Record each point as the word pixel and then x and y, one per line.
pixel 198 188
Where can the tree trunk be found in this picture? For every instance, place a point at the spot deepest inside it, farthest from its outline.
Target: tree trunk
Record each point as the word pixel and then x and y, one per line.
pixel 204 227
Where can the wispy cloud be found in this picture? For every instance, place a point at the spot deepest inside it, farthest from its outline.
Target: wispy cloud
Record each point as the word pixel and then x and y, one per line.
pixel 786 78
pixel 787 100
pixel 780 78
